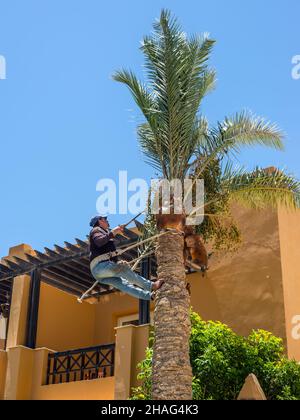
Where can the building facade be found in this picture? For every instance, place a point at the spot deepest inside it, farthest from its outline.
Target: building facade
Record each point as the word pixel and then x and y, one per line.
pixel 56 348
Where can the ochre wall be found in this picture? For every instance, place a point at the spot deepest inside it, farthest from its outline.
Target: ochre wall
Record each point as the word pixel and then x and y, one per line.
pixel 19 375
pixel 140 342
pixel 108 310
pixel 16 334
pixel 18 312
pixel 289 230
pixel 131 342
pixel 63 323
pixel 26 376
pixel 244 290
pixel 96 389
pixel 3 363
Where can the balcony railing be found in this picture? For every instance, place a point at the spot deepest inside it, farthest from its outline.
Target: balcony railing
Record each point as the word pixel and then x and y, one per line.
pixel 82 364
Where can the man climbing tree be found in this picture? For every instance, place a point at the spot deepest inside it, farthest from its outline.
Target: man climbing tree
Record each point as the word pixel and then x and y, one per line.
pixel 108 271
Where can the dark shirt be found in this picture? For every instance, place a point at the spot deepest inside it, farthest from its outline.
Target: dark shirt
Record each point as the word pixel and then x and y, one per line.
pixel 101 242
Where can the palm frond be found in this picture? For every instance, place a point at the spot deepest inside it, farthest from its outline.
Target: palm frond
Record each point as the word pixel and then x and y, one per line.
pixel 156 153
pixel 140 93
pixel 178 79
pixel 263 188
pixel 245 129
pixel 233 133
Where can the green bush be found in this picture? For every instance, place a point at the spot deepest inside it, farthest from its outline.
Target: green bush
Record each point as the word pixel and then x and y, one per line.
pixel 221 360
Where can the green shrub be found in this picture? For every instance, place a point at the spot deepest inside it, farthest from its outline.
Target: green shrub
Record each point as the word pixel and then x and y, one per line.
pixel 221 360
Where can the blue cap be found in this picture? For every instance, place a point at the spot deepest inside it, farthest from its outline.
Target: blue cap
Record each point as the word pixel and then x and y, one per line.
pixel 95 219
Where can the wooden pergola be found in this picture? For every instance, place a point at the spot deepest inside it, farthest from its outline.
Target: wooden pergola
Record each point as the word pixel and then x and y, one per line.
pixel 66 268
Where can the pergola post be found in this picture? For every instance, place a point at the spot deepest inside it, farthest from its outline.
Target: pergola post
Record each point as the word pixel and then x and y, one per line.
pixel 144 305
pixel 33 308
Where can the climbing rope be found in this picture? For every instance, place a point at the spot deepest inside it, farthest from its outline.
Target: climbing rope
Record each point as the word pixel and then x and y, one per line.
pixel 137 260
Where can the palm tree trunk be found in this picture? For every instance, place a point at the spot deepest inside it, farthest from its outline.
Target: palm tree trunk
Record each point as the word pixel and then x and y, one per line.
pixel 171 372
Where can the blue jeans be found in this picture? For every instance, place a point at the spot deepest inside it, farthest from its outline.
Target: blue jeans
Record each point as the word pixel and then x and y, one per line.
pixel 122 278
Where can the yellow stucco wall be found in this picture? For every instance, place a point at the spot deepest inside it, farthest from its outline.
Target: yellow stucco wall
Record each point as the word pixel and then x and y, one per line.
pixel 140 342
pixel 108 310
pixel 63 323
pixel 18 313
pixel 3 362
pixel 131 342
pixel 26 376
pixel 19 374
pixel 289 230
pixel 244 290
pixel 97 389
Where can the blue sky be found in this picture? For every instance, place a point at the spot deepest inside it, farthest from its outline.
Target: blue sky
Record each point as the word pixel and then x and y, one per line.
pixel 65 124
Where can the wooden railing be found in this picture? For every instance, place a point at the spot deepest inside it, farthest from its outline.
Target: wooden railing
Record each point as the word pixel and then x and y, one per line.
pixel 82 364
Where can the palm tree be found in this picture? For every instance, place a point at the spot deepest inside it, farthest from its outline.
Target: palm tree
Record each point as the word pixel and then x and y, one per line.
pixel 177 142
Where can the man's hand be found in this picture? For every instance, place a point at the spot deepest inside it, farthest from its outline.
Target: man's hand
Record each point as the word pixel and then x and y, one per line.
pixel 118 230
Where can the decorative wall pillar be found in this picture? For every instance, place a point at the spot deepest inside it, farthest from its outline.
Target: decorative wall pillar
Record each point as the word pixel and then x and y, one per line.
pixel 131 343
pixel 17 326
pixel 19 373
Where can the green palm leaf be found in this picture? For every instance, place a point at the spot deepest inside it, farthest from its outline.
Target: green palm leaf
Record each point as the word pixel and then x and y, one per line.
pixel 178 79
pixel 262 188
pixel 233 133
